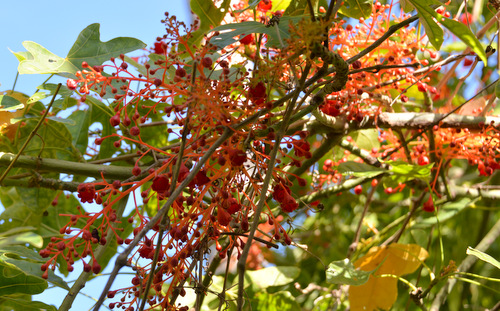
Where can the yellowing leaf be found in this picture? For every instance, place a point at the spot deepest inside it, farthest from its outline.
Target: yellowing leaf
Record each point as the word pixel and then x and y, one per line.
pixel 381 292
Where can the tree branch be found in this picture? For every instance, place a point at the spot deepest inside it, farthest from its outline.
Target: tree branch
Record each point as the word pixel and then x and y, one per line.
pixel 66 167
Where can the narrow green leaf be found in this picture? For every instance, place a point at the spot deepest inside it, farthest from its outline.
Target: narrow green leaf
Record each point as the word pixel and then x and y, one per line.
pixel 80 129
pixel 344 272
pixel 22 238
pixel 458 29
pixel 483 256
pixel 9 103
pixel 357 8
pixel 433 31
pixel 359 169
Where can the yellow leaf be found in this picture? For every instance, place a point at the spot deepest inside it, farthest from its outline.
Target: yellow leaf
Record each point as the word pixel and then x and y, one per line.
pixel 381 292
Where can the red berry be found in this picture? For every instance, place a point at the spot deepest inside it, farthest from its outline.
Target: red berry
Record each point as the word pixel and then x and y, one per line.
pixel 356 65
pixel 358 189
pixel 159 48
pixel 117 184
pixel 134 131
pixel 180 72
pixel 126 121
pixel 115 120
pixel 136 171
pixel 206 62
pixel 257 93
pixel 160 184
pixel 422 87
pixel 429 205
pixel 157 82
pixel 388 190
pixel 223 217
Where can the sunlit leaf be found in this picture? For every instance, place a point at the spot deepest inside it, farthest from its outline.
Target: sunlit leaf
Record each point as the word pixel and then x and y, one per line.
pixel 210 16
pixel 344 272
pixel 357 8
pixel 9 103
pixel 280 301
pixel 483 256
pixel 381 292
pixel 359 169
pixel 272 276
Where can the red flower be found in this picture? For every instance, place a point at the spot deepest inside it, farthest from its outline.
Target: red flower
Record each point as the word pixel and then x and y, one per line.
pixel 265 5
pixel 158 48
pixel 86 193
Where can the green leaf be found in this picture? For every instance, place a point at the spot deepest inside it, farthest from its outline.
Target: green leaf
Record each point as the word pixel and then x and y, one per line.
pixel 272 276
pixel 22 238
pixel 281 5
pixel 89 48
pixel 15 302
pixel 80 129
pixel 14 281
pixel 366 139
pixel 210 16
pixel 357 8
pixel 42 61
pixel 26 261
pixel 344 272
pixel 483 256
pixel 226 37
pixel 405 171
pixel 10 103
pixel 279 301
pixel 359 169
pixel 433 31
pixel 457 28
pixel 102 113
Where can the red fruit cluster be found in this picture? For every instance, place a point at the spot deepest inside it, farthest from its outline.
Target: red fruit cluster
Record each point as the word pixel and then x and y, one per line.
pixel 487 168
pixel 86 193
pixel 159 48
pixel 331 108
pixel 160 184
pixel 237 157
pixel 282 195
pixel 257 93
pixel 301 149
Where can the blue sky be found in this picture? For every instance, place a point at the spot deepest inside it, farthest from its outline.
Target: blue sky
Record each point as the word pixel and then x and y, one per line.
pixel 56 25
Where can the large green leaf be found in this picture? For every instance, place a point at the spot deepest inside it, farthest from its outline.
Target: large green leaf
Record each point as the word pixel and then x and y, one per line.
pixel 210 16
pixel 16 302
pixel 230 33
pixel 458 29
pixel 27 262
pixel 22 236
pixel 88 47
pixel 14 281
pixel 357 8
